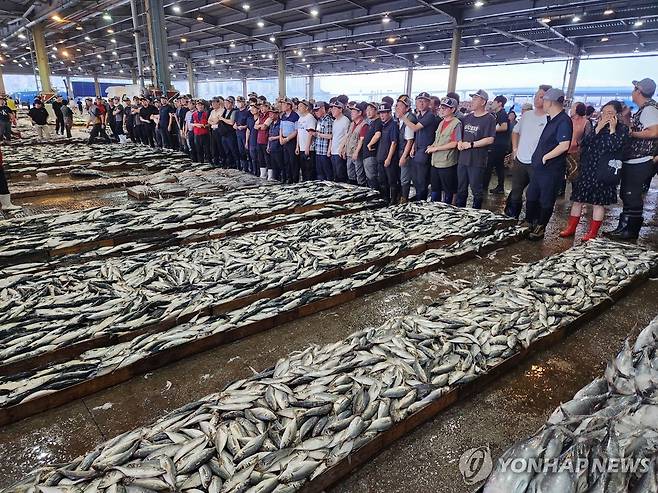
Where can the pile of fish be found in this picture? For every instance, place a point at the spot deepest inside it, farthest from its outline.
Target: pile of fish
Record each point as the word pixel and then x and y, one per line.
pixel 604 439
pixel 194 182
pixel 39 235
pixel 282 427
pixel 126 294
pixel 71 153
pixel 95 363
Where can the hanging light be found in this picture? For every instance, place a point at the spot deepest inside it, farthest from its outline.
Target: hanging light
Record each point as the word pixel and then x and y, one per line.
pixel 87 38
pixel 176 8
pixel 107 16
pixel 314 12
pixel 260 24
pixel 245 6
pixel 21 36
pixel 386 19
pixel 199 18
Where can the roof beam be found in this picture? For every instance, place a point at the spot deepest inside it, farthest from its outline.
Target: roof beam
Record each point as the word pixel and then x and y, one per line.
pixel 530 41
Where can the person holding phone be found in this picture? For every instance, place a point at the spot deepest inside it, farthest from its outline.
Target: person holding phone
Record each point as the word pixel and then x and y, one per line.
pixel 609 138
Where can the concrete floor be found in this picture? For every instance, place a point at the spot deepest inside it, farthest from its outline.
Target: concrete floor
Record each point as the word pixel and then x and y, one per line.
pixel 425 460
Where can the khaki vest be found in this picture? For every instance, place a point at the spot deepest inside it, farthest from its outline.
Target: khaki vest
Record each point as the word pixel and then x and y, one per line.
pixel 353 138
pixel 445 159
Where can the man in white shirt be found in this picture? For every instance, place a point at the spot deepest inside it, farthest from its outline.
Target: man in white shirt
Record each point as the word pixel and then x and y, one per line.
pixel 339 130
pixel 305 141
pixel 216 147
pixel 525 137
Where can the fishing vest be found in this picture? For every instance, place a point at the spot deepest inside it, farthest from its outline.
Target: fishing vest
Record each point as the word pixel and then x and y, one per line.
pixel 637 148
pixel 353 138
pixel 445 159
pixel 224 128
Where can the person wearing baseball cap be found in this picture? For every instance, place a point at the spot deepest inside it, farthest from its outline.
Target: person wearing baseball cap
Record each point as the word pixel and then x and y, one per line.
pixel 638 167
pixel 388 170
pixel 322 136
pixel 262 127
pixel 444 154
pixel 288 140
pixel 424 129
pixel 201 130
pixel 548 165
pixel 369 147
pixel 339 129
pixel 498 149
pixel 353 143
pixel 405 144
pixel 229 135
pixel 305 149
pixel 241 116
pixel 479 129
pixel 6 119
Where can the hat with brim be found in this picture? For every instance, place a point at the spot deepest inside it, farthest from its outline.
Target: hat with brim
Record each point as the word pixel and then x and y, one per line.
pixel 424 95
pixel 480 93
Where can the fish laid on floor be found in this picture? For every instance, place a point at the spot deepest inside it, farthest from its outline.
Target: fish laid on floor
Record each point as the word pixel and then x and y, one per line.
pixel 605 439
pixel 282 427
pixel 123 295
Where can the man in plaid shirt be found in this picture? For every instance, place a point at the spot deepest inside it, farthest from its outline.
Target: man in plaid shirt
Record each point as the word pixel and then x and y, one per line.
pixel 323 134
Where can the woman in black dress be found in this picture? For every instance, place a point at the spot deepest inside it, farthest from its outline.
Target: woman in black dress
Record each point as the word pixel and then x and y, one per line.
pixel 608 138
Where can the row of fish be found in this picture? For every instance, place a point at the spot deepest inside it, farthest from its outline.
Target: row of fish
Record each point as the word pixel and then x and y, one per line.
pixel 29 385
pixel 280 428
pixel 40 235
pixel 195 182
pixel 72 153
pixel 44 311
pixel 605 439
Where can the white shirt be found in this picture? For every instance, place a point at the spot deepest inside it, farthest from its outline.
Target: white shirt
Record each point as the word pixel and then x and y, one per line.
pixel 305 122
pixel 339 130
pixel 529 127
pixel 408 132
pixel 648 118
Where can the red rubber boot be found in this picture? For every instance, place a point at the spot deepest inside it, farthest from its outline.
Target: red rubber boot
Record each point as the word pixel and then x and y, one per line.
pixel 570 230
pixel 593 230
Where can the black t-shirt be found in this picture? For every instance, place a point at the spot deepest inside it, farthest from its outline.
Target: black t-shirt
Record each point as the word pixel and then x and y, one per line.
pixel 165 111
pixel 558 129
pixel 502 139
pixel 57 107
pixel 5 114
pixel 373 127
pixel 475 128
pixel 119 116
pixel 180 115
pixel 128 115
pixel 38 115
pixel 148 112
pixel 425 136
pixel 389 135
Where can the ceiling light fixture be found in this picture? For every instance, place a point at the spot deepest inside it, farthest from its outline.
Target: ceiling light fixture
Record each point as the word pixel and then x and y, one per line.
pixel 604 39
pixel 272 39
pixel 386 19
pixel 114 53
pixel 199 18
pixel 319 48
pixel 183 40
pixel 608 12
pixel 245 6
pixel 421 47
pixel 479 3
pixel 476 41
pixel 113 40
pixel 21 36
pixel 99 57
pixel 3 44
pixel 260 24
pixel 391 39
pixel 415 55
pixel 372 60
pixel 107 16
pixel 57 18
pixel 308 65
pixel 212 62
pixel 545 20
pixel 110 30
pixel 87 38
pixel 79 28
pixel 176 8
pixel 638 23
pixel 575 18
pixel 303 59
pixel 174 54
pixel 270 56
pixel 232 45
pixel 314 12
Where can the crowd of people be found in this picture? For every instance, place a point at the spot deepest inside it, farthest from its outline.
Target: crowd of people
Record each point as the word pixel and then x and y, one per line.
pixel 441 147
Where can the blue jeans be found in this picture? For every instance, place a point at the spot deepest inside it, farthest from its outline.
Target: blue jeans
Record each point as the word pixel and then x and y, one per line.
pixel 323 167
pixel 420 167
pixel 339 165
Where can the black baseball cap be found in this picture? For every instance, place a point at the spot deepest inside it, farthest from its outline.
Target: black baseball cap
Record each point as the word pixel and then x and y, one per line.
pixel 424 95
pixel 385 107
pixel 337 104
pixel 318 105
pixel 361 107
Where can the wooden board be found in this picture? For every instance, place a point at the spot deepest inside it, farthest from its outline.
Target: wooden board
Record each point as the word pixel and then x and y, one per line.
pixel 82 389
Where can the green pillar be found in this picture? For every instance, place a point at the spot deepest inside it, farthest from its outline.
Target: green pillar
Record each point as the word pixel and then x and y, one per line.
pixel 42 57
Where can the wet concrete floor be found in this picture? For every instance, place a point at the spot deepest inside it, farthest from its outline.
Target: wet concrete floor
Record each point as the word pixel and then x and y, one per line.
pixel 426 459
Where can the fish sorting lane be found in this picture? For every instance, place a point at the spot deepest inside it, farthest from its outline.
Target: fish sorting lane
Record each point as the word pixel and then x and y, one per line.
pixel 582 447
pixel 42 312
pixel 281 428
pixel 41 237
pixel 26 386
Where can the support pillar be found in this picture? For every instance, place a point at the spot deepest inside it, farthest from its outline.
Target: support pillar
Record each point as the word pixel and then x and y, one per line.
pixel 573 76
pixel 133 75
pixel 281 59
pixel 409 81
pixel 42 57
pixel 138 46
pixel 155 22
pixel 191 79
pixel 244 87
pixel 69 88
pixel 97 86
pixel 309 88
pixel 2 83
pixel 454 58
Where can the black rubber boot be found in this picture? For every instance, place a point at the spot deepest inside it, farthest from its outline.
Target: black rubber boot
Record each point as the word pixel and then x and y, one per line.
pixel 631 231
pixel 405 192
pixel 531 213
pixel 623 224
